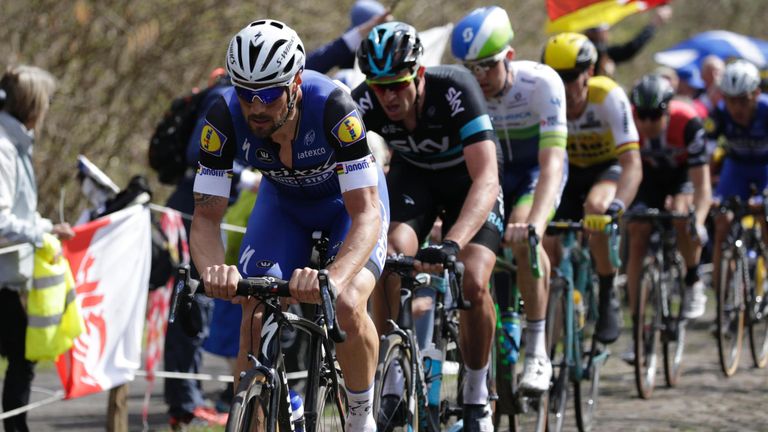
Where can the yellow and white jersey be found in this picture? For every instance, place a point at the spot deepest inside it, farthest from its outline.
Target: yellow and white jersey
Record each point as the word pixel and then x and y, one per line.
pixel 605 129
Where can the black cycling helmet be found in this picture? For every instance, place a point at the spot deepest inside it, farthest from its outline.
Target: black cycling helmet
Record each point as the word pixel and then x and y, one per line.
pixel 389 49
pixel 652 93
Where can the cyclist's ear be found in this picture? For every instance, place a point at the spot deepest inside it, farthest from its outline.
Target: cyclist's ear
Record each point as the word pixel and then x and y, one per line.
pixel 510 54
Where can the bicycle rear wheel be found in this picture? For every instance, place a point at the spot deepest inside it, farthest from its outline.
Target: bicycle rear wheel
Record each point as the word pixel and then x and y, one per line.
pixel 674 332
pixel 556 334
pixel 253 405
pixel 730 311
pixel 647 329
pixel 395 412
pixel 758 309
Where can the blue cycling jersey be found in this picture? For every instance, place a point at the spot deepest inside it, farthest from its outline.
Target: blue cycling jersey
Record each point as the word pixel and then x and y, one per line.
pixel 747 144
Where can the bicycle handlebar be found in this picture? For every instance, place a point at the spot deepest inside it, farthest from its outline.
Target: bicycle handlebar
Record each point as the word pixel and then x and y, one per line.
pixel 264 287
pixel 403 265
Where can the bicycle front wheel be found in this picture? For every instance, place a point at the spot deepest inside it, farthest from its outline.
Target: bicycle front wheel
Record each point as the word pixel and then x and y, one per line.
pixel 558 350
pixel 647 329
pixel 592 355
pixel 253 404
pixel 674 331
pixel 758 309
pixel 730 311
pixel 331 399
pixel 395 407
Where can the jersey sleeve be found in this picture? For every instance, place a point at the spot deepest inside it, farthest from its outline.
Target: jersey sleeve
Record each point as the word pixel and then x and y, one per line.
pixel 695 142
pixel 467 109
pixel 217 152
pixel 549 102
pixel 345 130
pixel 622 124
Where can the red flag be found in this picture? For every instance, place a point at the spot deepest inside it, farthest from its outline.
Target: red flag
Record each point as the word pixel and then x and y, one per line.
pixel 579 15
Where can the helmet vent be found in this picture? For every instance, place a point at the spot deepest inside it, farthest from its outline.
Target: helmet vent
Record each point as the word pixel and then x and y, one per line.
pixel 253 54
pixel 271 55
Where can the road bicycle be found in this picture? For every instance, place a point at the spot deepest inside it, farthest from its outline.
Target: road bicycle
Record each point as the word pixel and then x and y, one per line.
pixel 426 402
pixel 572 312
pixel 261 401
pixel 658 323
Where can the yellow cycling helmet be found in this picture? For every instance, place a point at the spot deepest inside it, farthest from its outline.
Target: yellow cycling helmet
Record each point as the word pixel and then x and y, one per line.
pixel 569 52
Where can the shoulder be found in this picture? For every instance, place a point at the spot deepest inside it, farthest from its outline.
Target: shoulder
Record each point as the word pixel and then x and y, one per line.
pixel 602 88
pixel 449 75
pixel 681 111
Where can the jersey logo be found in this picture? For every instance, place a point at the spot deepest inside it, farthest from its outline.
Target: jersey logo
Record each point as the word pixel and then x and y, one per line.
pixel 211 140
pixel 264 156
pixel 365 103
pixel 454 101
pixel 349 130
pixel 309 138
pixel 709 125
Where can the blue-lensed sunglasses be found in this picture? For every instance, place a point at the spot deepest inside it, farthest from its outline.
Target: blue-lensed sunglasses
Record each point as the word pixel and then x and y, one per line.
pixel 266 95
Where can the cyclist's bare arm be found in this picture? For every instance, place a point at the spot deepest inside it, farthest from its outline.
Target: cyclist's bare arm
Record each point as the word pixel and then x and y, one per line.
pixel 205 242
pixel 482 165
pixel 631 176
pixel 551 165
pixel 702 191
pixel 363 207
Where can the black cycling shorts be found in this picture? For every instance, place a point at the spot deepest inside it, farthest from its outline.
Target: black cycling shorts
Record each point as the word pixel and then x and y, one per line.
pixel 580 182
pixel 418 196
pixel 658 184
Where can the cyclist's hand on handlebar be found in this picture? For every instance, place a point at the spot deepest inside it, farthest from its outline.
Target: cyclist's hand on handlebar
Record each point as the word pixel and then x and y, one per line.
pixel 516 233
pixel 596 223
pixel 304 286
pixel 431 258
pixel 220 281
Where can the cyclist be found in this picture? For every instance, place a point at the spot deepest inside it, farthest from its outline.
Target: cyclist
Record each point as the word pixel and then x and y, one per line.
pixel 672 146
pixel 605 168
pixel 742 119
pixel 444 163
pixel 306 136
pixel 526 101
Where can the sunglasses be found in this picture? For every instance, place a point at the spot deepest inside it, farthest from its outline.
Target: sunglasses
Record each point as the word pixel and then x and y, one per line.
pixel 649 114
pixel 265 95
pixel 481 67
pixel 395 85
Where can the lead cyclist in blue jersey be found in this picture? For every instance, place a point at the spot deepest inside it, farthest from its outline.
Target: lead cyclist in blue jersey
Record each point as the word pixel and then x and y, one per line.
pixel 445 164
pixel 742 119
pixel 526 101
pixel 306 136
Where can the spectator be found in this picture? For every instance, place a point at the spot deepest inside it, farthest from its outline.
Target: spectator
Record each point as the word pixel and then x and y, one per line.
pixel 669 74
pixel 28 92
pixel 611 55
pixel 690 87
pixel 183 352
pixel 712 68
pixel 364 15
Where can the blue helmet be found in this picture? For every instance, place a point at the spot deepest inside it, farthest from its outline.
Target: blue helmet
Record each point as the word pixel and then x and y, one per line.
pixel 484 32
pixel 389 49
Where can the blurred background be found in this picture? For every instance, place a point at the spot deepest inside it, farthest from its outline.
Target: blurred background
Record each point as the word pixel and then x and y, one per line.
pixel 119 63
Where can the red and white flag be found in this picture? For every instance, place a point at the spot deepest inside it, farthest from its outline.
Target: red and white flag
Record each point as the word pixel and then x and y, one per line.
pixel 110 258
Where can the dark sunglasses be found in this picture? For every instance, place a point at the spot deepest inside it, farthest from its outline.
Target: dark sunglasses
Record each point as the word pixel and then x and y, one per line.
pixel 266 95
pixel 649 114
pixel 397 85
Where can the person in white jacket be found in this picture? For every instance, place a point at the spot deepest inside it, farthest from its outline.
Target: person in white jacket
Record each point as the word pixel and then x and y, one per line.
pixel 26 92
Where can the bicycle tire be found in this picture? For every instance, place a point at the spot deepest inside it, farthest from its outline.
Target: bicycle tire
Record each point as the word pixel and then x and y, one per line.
pixel 647 329
pixel 558 390
pixel 331 398
pixel 758 309
pixel 252 403
pixel 451 394
pixel 592 357
pixel 675 327
pixel 393 352
pixel 730 312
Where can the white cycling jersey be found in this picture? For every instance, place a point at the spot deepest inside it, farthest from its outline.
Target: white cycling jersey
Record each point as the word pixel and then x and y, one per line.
pixel 530 114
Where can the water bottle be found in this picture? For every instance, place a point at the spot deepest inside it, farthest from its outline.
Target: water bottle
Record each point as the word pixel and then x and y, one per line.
pixel 433 372
pixel 510 324
pixel 297 411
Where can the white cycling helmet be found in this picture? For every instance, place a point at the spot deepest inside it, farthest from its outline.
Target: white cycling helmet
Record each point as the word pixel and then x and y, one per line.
pixel 264 52
pixel 740 77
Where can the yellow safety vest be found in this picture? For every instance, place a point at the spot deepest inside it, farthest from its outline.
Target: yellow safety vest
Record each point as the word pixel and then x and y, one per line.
pixel 53 314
